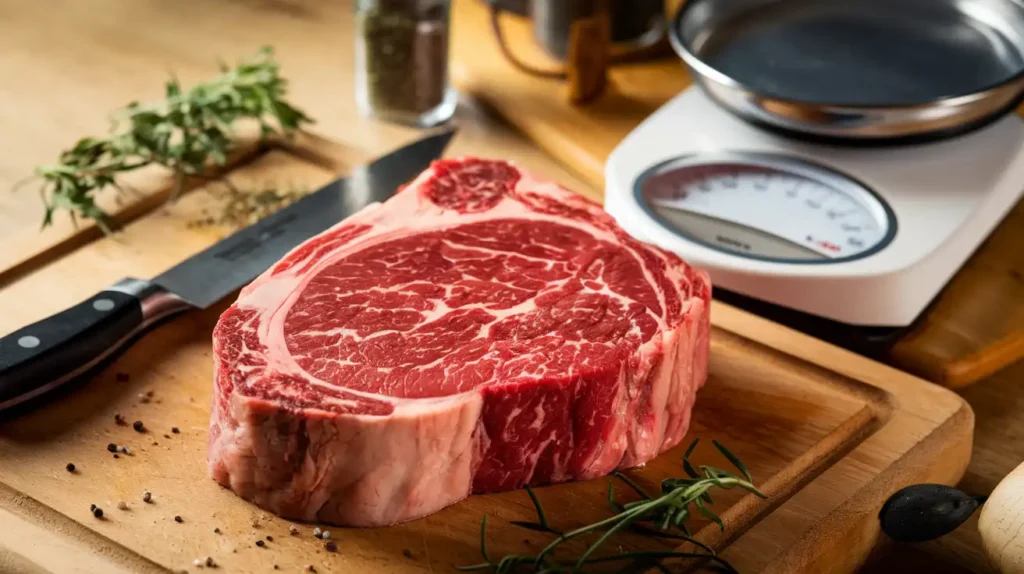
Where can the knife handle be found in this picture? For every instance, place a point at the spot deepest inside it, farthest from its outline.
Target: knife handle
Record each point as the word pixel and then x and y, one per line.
pixel 59 349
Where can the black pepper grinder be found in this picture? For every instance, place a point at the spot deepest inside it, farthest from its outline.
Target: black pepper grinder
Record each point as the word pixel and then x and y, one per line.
pixel 401 68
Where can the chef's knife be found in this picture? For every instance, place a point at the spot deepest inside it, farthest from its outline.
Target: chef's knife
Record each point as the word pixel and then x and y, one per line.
pixel 45 355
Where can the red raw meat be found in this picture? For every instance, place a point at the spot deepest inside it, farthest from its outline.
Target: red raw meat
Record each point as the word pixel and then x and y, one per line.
pixel 481 330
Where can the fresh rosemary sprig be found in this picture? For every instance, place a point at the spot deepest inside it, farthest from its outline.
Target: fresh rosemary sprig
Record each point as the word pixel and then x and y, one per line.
pixel 186 133
pixel 662 516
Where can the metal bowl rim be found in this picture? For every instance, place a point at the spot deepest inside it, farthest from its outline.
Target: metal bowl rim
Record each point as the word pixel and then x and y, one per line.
pixel 707 72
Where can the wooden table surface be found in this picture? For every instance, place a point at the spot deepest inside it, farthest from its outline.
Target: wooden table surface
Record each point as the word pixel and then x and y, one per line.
pixel 65 63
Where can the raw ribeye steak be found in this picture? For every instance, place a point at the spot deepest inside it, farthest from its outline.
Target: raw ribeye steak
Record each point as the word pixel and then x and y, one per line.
pixel 479 331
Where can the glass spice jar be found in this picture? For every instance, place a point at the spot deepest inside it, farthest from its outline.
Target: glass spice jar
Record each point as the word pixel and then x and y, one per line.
pixel 402 61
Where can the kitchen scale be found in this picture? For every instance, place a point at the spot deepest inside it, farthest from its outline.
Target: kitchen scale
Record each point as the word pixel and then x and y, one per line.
pixel 843 220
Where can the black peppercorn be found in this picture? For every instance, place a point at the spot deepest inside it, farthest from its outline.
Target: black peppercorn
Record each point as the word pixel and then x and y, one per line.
pixel 260 543
pixel 97 511
pixel 137 425
pixel 178 519
pixel 70 466
pixel 112 447
pixel 330 546
pixel 175 430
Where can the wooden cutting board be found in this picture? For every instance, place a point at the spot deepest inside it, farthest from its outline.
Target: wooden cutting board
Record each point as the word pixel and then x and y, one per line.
pixel 827 434
pixel 975 326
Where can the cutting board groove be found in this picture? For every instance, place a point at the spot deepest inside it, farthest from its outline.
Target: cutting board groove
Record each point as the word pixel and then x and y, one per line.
pixel 827 434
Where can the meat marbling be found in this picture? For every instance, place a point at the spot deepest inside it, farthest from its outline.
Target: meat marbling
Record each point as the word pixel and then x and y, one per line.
pixel 481 330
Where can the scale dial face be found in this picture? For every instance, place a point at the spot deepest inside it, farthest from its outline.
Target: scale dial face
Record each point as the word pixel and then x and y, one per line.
pixel 766 206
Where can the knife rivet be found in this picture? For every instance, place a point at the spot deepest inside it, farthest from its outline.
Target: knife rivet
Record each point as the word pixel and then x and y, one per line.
pixel 28 342
pixel 103 304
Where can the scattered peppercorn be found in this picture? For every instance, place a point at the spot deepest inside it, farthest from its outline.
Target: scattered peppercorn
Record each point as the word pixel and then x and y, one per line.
pixel 156 443
pixel 167 436
pixel 112 447
pixel 330 546
pixel 270 538
pixel 149 393
pixel 175 430
pixel 119 418
pixel 92 507
pixel 122 377
pixel 260 543
pixel 147 496
pixel 407 553
pixel 210 562
pixel 70 467
pixel 122 505
pixel 216 530
pixel 137 425
pixel 97 511
pixel 116 456
pixel 275 566
pixel 310 568
pixel 178 519
pixel 293 529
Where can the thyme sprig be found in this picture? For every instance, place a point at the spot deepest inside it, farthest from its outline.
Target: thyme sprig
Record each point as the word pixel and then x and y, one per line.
pixel 662 516
pixel 186 132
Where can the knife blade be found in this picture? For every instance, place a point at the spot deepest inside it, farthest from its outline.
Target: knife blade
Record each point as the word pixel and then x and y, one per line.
pixel 70 344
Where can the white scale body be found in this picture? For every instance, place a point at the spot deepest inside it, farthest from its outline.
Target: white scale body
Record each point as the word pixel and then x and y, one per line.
pixel 861 235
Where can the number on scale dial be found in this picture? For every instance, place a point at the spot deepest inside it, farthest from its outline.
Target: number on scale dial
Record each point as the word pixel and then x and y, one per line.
pixel 767 206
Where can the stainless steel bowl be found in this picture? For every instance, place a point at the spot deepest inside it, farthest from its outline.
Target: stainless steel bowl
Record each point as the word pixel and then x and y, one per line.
pixel 857 69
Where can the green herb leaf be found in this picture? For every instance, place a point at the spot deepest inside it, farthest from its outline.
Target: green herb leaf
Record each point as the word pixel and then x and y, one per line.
pixel 542 521
pixel 185 132
pixel 629 482
pixel 661 517
pixel 704 510
pixel 733 459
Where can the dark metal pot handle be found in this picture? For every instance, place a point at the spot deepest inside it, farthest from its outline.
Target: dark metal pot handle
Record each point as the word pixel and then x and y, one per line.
pixel 615 56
